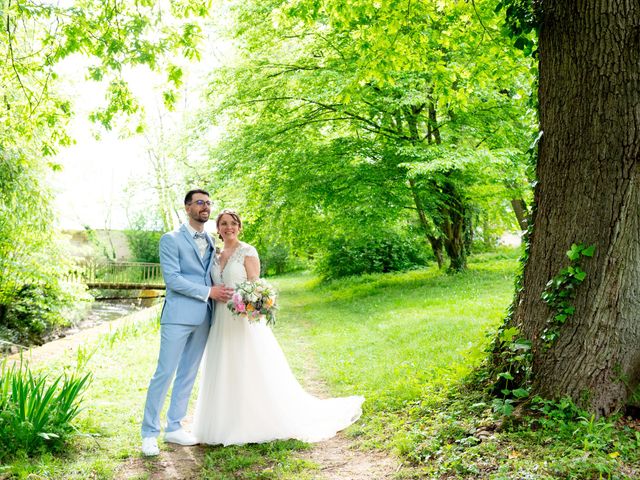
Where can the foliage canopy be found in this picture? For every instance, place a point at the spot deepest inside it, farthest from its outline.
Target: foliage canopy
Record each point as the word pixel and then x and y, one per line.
pixel 357 119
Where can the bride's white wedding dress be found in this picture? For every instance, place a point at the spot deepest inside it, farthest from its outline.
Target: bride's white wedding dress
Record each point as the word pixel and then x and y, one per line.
pixel 248 393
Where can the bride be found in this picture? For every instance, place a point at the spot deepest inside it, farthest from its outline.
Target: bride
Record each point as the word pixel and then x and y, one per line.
pixel 247 391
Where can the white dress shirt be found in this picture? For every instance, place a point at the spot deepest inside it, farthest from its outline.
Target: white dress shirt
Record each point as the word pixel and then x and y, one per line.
pixel 201 243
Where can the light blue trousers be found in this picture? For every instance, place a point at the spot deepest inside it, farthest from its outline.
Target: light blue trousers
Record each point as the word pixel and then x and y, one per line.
pixel 181 349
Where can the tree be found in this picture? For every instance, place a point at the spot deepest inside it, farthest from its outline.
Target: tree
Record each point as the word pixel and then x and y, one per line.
pixel 375 111
pixel 588 193
pixel 34 38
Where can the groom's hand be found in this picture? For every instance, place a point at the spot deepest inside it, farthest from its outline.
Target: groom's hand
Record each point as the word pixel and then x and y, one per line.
pixel 220 293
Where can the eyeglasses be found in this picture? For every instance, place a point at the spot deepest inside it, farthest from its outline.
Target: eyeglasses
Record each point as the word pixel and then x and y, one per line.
pixel 202 203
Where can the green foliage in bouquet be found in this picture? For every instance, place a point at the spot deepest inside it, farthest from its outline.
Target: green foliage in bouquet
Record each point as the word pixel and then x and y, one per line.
pixel 36 415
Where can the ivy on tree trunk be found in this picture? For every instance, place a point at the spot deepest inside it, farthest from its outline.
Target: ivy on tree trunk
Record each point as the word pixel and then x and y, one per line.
pixel 588 192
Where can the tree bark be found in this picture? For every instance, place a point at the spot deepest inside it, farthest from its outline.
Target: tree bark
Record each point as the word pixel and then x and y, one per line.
pixel 452 220
pixel 520 210
pixel 588 192
pixel 435 241
pixel 436 246
pixel 453 224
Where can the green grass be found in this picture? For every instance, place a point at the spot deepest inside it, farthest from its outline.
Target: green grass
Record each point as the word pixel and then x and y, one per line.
pixel 274 460
pixel 393 338
pixel 109 424
pixel 396 338
pixel 405 341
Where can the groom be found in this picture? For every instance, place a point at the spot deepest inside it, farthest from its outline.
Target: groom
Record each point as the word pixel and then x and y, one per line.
pixel 186 257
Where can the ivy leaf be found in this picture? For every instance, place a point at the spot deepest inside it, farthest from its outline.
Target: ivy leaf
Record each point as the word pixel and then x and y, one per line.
pixel 522 43
pixel 522 344
pixel 520 393
pixel 574 252
pixel 588 252
pixel 508 334
pixel 561 318
pixel 504 407
pixel 580 274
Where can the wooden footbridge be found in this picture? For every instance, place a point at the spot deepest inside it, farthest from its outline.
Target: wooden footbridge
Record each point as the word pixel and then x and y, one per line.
pixel 119 275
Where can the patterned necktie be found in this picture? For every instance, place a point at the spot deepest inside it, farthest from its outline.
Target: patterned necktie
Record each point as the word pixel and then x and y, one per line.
pixel 199 235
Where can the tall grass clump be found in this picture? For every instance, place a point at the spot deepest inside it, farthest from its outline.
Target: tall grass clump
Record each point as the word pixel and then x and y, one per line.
pixel 36 415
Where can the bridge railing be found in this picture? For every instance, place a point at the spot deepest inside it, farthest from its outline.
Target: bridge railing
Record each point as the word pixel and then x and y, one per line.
pixel 95 273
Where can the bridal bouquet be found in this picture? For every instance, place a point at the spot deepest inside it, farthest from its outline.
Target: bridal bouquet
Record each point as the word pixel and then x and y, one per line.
pixel 254 300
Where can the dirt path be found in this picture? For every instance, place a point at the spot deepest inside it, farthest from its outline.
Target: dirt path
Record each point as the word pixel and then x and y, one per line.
pixel 174 463
pixel 338 458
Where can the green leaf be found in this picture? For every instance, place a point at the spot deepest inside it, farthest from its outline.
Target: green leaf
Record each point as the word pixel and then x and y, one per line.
pixel 520 393
pixel 522 344
pixel 508 334
pixel 521 42
pixel 574 252
pixel 589 251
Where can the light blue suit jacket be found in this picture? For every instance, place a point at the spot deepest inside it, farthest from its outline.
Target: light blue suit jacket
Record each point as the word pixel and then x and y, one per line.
pixel 187 277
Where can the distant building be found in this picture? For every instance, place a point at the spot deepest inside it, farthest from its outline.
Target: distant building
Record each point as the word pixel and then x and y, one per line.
pixel 97 244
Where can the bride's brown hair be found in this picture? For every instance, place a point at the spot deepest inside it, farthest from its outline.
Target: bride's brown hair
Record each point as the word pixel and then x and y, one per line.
pixel 232 214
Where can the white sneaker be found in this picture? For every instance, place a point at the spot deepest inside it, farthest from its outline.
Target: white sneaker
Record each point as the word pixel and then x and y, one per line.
pixel 150 447
pixel 180 437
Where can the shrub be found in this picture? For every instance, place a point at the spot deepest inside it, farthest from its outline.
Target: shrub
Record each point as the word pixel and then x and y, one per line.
pixel 144 245
pixel 30 311
pixel 32 298
pixel 344 257
pixel 36 416
pixel 277 259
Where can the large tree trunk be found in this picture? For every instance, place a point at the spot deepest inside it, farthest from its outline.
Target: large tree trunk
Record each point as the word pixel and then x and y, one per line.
pixel 436 246
pixel 411 114
pixel 435 241
pixel 452 215
pixel 588 192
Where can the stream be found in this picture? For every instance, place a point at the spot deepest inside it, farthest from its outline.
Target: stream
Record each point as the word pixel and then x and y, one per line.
pixel 107 310
pixel 101 311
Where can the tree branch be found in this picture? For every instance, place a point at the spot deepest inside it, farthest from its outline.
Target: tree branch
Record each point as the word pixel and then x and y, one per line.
pixel 14 67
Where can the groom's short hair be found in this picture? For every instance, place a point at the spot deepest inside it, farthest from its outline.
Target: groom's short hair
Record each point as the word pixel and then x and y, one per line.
pixel 190 194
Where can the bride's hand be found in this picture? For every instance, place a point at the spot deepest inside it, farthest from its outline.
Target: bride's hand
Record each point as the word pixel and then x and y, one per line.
pixel 220 293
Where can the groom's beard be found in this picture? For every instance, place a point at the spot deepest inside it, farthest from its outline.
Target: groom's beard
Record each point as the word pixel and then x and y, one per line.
pixel 201 217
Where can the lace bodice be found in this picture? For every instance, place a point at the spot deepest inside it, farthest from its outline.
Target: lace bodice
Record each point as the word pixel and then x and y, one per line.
pixel 234 271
